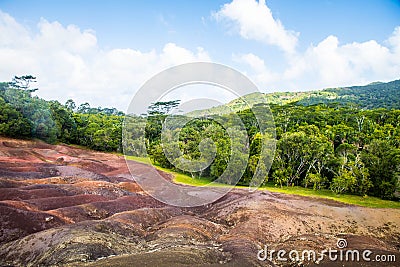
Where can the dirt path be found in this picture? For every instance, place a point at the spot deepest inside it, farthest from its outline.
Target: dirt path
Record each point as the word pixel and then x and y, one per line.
pixel 61 205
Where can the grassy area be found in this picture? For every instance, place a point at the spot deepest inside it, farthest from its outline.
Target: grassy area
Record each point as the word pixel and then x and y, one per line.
pixel 367 201
pixel 179 178
pixel 139 159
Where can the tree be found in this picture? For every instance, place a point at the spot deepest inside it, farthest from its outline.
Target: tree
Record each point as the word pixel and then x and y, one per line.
pixel 343 182
pixel 70 105
pixel 84 108
pixel 23 83
pixel 382 161
pixel 12 123
pixel 65 123
pixel 342 134
pixel 161 108
pixel 315 179
pixel 156 115
pixel 350 164
pixel 363 183
pixel 301 152
pixel 280 176
pixel 156 154
pixel 134 137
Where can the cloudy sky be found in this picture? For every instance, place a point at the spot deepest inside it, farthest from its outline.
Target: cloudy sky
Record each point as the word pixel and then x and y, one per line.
pixel 103 51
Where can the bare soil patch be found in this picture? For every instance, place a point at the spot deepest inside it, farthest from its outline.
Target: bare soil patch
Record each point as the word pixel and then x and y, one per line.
pixel 65 206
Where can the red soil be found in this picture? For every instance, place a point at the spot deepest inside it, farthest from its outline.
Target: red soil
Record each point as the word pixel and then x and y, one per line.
pixel 62 205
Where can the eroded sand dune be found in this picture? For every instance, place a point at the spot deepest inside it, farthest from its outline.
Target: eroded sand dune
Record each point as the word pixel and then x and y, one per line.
pixel 61 205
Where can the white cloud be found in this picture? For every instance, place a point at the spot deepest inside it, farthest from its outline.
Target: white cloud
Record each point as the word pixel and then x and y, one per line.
pixel 69 63
pixel 394 42
pixel 255 21
pixel 330 64
pixel 326 64
pixel 11 33
pixel 261 75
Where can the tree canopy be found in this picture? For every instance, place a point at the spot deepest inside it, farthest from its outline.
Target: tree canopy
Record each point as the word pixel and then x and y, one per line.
pixel 328 145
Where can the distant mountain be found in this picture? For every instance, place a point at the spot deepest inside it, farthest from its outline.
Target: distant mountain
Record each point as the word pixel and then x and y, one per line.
pixel 373 95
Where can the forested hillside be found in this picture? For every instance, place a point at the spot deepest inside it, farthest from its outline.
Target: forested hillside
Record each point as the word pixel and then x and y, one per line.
pixel 371 96
pixel 344 149
pixel 374 95
pixel 331 145
pixel 25 116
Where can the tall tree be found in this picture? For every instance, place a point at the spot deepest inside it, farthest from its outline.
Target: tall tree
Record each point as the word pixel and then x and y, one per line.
pixel 24 83
pixel 383 163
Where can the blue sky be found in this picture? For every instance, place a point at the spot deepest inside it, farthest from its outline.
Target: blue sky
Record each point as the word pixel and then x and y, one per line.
pixel 86 49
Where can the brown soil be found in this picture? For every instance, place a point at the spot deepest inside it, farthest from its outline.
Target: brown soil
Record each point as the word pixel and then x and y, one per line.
pixel 65 206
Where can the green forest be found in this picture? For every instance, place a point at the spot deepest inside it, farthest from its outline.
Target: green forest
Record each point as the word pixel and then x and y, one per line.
pixel 349 143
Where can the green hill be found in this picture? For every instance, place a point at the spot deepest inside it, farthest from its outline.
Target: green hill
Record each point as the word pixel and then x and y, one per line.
pixel 371 96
